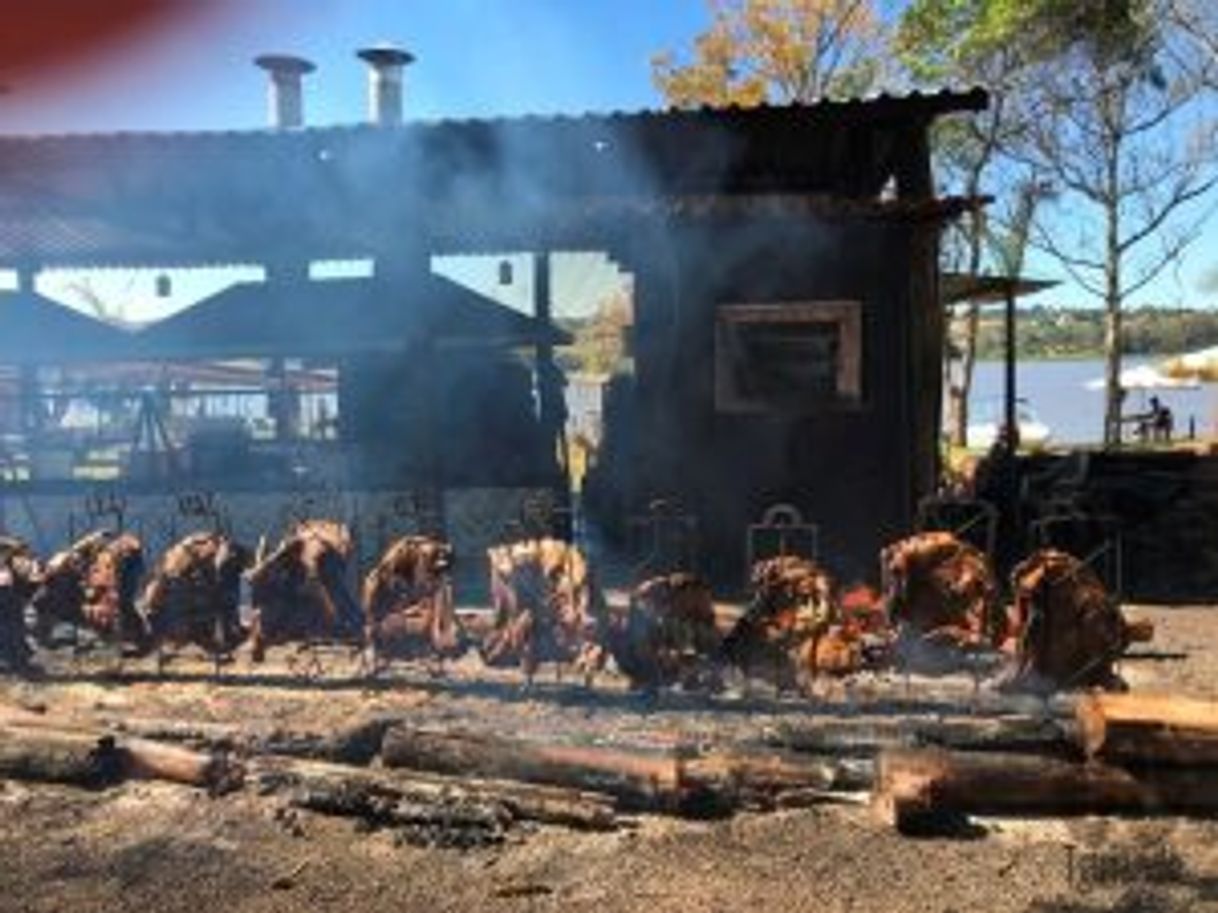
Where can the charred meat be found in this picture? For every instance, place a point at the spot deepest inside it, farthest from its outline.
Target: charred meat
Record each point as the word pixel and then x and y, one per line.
pixel 194 594
pixel 1065 629
pixel 19 579
pixel 547 607
pixel 299 592
pixel 939 590
pixel 668 636
pixel 408 600
pixel 792 608
pixel 93 584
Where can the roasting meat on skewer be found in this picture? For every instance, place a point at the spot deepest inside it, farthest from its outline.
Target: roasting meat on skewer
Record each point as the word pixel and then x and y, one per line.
pixel 20 576
pixel 941 594
pixel 299 592
pixel 194 594
pixel 668 636
pixel 93 584
pixel 1065 630
pixel 547 608
pixel 790 629
pixel 408 601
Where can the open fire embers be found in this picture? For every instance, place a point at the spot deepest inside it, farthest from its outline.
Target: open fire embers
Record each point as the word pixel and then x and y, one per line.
pixel 408 602
pixel 547 608
pixel 194 594
pixel 668 636
pixel 791 630
pixel 299 592
pixel 20 576
pixel 1065 629
pixel 93 584
pixel 941 594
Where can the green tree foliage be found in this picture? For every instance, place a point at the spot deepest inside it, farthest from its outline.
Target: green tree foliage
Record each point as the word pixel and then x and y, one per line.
pixel 599 344
pixel 985 42
pixel 776 51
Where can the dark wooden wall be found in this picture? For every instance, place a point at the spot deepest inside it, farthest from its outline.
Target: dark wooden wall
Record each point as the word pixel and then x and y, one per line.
pixel 857 471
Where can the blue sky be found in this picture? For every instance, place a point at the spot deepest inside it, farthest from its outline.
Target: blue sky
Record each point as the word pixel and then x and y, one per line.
pixel 475 58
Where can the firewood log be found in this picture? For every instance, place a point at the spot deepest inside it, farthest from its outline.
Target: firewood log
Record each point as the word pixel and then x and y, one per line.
pixel 213 771
pixel 50 756
pixel 314 784
pixel 1149 729
pixel 929 788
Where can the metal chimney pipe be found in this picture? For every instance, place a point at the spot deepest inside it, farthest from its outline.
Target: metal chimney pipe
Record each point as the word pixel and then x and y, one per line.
pixel 385 64
pixel 285 98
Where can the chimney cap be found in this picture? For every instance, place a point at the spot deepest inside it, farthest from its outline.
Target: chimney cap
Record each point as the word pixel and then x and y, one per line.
pixel 284 63
pixel 385 55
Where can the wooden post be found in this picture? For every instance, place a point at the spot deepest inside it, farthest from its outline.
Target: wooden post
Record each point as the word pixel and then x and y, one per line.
pixel 1011 420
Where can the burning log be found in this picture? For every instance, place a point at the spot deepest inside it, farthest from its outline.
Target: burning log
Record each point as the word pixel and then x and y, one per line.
pixel 638 781
pixel 668 635
pixel 58 756
pixel 711 783
pixel 547 608
pixel 790 626
pixel 1139 729
pixel 930 789
pixel 1066 630
pixel 213 771
pixel 869 735
pixel 408 601
pixel 299 591
pixel 93 584
pixel 374 795
pixel 194 594
pixel 20 577
pixel 940 592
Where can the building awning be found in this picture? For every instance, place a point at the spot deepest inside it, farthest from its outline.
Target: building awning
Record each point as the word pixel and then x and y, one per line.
pixel 34 330
pixel 339 317
pixel 956 288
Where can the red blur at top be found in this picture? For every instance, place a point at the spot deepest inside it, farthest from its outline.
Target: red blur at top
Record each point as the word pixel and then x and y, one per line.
pixel 46 35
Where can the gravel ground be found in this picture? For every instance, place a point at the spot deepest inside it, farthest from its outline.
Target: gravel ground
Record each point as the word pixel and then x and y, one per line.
pixel 154 847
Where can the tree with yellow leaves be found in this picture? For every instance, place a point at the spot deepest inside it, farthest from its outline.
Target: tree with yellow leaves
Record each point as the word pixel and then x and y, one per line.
pixel 775 51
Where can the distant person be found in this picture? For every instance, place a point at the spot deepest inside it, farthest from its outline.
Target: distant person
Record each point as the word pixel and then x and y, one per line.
pixel 1163 420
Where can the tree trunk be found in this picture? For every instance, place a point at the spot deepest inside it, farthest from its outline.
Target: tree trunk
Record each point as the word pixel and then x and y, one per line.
pixel 1143 729
pixel 958 393
pixel 1114 395
pixel 929 789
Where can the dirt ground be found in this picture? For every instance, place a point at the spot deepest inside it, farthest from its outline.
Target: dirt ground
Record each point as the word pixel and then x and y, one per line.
pixel 147 846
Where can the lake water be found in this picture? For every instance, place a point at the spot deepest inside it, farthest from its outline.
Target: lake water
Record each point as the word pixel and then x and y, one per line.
pixel 1057 392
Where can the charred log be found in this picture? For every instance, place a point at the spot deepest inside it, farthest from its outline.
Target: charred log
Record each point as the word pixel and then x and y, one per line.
pixel 930 789
pixel 1137 729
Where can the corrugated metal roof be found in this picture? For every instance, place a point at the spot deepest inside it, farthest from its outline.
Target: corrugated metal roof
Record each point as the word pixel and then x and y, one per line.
pixel 878 106
pixel 167 199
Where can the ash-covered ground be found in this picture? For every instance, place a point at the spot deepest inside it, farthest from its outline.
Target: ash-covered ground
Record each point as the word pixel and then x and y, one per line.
pixel 147 846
